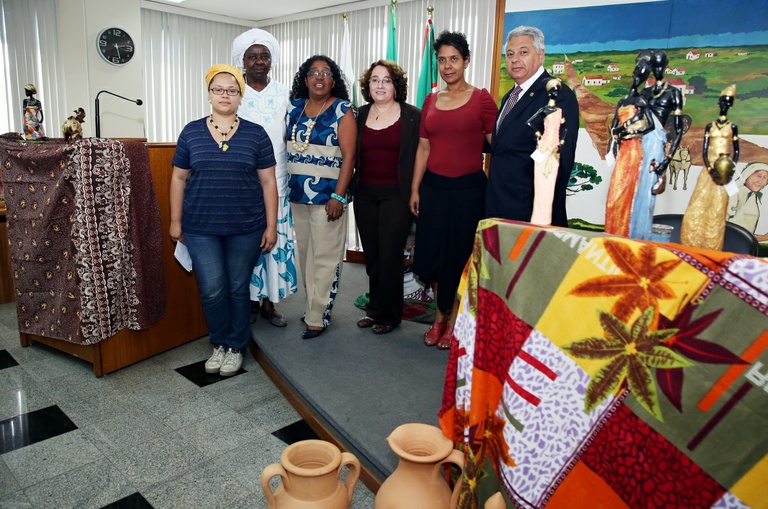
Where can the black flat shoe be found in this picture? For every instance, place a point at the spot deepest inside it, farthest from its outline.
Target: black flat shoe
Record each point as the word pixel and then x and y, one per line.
pixel 311 333
pixel 380 328
pixel 365 321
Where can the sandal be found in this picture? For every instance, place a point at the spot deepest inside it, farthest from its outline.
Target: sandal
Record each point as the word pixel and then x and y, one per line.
pixel 435 332
pixel 366 322
pixel 446 339
pixel 380 328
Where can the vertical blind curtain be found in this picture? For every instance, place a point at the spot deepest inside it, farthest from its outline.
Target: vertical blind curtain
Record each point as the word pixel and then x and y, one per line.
pixel 29 54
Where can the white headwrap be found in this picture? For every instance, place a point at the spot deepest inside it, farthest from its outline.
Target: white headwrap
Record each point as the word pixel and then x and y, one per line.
pixel 254 36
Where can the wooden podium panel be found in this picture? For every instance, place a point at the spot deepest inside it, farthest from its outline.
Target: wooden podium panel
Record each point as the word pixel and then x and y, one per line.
pixel 183 321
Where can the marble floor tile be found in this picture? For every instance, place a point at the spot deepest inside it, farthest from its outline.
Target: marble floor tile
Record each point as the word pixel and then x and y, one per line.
pixel 8 482
pixel 295 432
pixel 157 461
pixel 196 374
pixel 271 414
pixel 219 434
pixel 244 390
pixel 132 501
pixel 17 500
pixel 33 427
pixel 90 486
pixel 7 360
pixel 184 409
pixel 123 430
pixel 21 393
pixel 44 460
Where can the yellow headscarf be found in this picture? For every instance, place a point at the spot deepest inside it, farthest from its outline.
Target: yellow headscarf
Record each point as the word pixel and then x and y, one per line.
pixel 226 68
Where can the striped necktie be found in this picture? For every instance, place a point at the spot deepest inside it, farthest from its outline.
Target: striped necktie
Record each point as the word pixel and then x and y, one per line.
pixel 511 101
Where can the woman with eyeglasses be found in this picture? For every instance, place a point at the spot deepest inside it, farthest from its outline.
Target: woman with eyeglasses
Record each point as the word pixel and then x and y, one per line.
pixel 387 138
pixel 266 102
pixel 448 188
pixel 224 209
pixel 321 155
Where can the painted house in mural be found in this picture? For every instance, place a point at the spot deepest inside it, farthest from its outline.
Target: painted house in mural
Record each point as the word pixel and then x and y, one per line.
pixel 594 80
pixel 694 54
pixel 677 71
pixel 558 68
pixel 709 54
pixel 612 68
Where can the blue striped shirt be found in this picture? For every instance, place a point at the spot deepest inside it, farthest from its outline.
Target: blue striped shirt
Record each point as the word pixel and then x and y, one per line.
pixel 223 194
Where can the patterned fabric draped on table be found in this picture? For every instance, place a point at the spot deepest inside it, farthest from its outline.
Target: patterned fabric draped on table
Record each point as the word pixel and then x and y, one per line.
pixel 597 371
pixel 84 229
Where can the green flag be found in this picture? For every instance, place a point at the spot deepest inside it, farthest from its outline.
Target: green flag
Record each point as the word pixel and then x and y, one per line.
pixel 428 73
pixel 392 40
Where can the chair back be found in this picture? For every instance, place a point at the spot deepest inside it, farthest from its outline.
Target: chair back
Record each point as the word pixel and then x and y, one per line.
pixel 737 238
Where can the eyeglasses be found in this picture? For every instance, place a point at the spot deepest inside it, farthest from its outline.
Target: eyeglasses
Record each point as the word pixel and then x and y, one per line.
pixel 384 81
pixel 264 57
pixel 324 74
pixel 220 91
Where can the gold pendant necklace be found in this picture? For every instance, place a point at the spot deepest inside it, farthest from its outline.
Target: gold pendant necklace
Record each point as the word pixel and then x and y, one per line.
pixel 298 145
pixel 223 144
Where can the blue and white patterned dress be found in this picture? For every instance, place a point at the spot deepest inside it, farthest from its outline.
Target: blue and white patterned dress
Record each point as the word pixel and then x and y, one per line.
pixel 274 277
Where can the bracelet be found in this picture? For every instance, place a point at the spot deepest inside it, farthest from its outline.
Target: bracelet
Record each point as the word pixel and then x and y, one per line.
pixel 339 198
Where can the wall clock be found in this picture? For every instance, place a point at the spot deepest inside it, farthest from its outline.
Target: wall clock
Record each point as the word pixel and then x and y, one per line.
pixel 115 46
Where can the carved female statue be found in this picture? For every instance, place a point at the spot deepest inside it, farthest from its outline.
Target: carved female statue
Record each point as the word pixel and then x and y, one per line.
pixel 549 125
pixel 32 113
pixel 704 221
pixel 632 120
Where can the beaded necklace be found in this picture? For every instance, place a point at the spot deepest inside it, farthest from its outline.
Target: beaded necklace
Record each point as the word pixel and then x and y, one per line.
pixel 298 145
pixel 223 144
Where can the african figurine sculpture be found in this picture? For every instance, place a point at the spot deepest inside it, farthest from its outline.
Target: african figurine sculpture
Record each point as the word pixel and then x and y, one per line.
pixel 632 121
pixel 549 125
pixel 704 221
pixel 32 113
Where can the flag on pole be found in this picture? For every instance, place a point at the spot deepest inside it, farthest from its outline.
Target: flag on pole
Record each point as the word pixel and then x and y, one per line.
pixel 428 73
pixel 346 62
pixel 392 39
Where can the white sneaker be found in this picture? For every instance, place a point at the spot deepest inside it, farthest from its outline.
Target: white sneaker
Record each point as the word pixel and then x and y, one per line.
pixel 233 360
pixel 213 364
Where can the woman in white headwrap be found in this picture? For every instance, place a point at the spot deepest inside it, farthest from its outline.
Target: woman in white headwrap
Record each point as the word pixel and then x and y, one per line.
pixel 266 103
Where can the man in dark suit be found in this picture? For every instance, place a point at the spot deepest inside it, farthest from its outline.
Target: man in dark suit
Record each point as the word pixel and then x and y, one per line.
pixel 510 177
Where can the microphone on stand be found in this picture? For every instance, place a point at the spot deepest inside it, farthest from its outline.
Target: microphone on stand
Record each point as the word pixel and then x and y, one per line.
pixel 98 123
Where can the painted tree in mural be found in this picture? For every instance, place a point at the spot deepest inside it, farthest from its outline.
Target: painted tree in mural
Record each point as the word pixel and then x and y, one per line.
pixel 583 178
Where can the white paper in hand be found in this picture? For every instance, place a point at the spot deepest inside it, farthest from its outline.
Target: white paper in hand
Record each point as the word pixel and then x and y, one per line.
pixel 182 255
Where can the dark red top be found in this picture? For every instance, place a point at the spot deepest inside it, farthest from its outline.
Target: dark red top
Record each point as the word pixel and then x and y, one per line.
pixel 456 136
pixel 379 154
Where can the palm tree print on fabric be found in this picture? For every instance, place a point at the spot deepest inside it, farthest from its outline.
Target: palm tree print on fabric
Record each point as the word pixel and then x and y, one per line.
pixel 631 353
pixel 687 343
pixel 641 284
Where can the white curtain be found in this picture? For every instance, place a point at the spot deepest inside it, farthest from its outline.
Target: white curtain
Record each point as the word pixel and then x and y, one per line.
pixel 29 54
pixel 179 50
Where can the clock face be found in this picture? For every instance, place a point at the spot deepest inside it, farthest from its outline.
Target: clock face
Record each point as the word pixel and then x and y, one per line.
pixel 115 46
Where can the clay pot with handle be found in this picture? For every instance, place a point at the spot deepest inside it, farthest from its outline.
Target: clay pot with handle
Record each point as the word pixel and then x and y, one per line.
pixel 310 477
pixel 418 480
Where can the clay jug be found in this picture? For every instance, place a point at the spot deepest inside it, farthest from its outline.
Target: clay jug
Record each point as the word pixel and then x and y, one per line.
pixel 310 477
pixel 418 480
pixel 495 501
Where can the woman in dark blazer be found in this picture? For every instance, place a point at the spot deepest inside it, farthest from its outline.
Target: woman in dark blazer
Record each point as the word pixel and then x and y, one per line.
pixel 387 138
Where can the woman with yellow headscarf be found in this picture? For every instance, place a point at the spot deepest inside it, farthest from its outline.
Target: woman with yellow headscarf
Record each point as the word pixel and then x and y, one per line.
pixel 224 209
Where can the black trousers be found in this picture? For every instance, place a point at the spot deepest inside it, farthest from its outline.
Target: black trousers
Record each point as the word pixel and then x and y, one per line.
pixel 383 220
pixel 449 210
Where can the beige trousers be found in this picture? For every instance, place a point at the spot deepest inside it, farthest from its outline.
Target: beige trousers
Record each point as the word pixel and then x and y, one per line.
pixel 321 247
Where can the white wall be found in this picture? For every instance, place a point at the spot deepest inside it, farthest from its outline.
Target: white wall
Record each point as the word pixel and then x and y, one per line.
pixel 86 73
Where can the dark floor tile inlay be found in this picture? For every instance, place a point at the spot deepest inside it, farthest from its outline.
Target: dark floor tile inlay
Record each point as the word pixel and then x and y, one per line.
pixel 135 501
pixel 7 360
pixel 196 374
pixel 296 432
pixel 30 428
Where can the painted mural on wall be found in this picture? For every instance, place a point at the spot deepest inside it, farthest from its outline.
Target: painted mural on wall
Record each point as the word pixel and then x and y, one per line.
pixel 593 49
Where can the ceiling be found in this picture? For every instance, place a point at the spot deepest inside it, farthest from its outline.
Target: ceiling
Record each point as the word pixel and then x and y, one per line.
pixel 260 12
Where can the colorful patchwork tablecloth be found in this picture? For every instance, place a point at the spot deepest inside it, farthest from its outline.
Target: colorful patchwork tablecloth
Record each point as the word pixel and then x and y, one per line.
pixel 597 371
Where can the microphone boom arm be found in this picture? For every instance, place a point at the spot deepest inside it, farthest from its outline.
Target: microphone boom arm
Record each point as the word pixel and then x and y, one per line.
pixel 97 114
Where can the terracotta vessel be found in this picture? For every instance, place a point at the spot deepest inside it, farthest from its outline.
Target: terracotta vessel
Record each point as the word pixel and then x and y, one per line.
pixel 496 501
pixel 418 480
pixel 310 477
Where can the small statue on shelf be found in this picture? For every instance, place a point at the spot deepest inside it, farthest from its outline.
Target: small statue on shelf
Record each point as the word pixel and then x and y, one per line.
pixel 72 128
pixel 704 221
pixel 549 125
pixel 32 112
pixel 632 121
